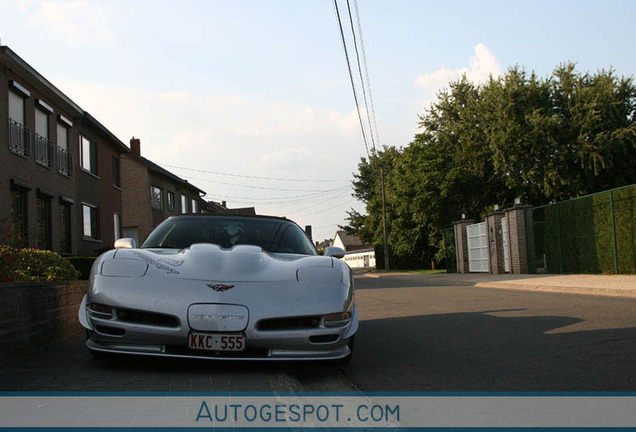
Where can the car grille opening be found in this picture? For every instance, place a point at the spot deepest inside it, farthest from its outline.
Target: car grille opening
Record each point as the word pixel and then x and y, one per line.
pixel 148 318
pixel 110 331
pixel 289 323
pixel 324 338
pixel 248 353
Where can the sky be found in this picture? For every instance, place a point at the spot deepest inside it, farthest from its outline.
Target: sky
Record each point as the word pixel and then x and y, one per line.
pixel 251 101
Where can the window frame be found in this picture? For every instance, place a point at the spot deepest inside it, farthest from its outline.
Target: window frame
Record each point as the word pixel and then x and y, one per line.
pixel 66 231
pixel 184 204
pixel 116 172
pixel 156 202
pixel 85 144
pixel 19 217
pixel 172 205
pixel 93 222
pixel 44 222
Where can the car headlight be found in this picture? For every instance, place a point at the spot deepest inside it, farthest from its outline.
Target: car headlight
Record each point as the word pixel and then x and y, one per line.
pixel 319 275
pixel 338 319
pixel 124 268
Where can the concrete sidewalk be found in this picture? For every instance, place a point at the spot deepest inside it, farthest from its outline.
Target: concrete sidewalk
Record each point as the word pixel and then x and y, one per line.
pixel 603 285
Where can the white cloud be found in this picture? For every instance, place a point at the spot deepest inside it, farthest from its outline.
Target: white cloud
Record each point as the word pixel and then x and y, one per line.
pixel 207 131
pixel 482 65
pixel 74 22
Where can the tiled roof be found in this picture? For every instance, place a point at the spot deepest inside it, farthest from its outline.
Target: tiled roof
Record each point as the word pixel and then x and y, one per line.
pixel 352 242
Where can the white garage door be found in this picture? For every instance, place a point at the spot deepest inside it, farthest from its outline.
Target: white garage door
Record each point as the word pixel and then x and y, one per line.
pixel 477 248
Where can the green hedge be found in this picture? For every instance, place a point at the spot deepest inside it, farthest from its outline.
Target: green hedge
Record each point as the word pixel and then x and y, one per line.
pixel 577 236
pixel 83 265
pixel 34 265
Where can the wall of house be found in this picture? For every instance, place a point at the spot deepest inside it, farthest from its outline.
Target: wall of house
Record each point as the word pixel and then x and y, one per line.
pixel 135 196
pixel 360 259
pixel 39 180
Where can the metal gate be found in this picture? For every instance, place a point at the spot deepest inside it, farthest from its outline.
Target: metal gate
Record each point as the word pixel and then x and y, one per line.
pixel 506 249
pixel 478 257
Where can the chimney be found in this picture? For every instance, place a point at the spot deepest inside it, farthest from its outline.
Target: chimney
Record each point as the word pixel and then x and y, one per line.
pixel 224 204
pixel 135 146
pixel 308 231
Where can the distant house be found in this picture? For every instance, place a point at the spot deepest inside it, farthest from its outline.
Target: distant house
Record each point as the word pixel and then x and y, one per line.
pixel 214 207
pixel 152 194
pixel 323 244
pixel 357 253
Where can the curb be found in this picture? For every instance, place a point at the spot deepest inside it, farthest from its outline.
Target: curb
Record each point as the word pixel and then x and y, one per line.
pixel 610 292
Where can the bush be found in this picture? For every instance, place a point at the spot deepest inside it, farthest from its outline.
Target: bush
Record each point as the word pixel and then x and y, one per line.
pixel 34 265
pixel 83 265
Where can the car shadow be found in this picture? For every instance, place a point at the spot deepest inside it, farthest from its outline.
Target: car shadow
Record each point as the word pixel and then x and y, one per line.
pixel 493 350
pixel 481 351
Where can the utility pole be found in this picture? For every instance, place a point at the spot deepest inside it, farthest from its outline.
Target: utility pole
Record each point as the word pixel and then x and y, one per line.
pixel 386 240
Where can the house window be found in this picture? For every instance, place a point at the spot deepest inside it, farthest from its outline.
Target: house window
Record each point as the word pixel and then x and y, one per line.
pixel 43 145
pixel 184 204
pixel 117 225
pixel 194 206
pixel 90 217
pixel 19 136
pixel 89 155
pixel 44 222
pixel 116 174
pixel 65 227
pixel 156 198
pixel 19 217
pixel 171 202
pixel 64 165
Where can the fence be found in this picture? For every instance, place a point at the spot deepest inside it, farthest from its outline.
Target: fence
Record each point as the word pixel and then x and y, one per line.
pixel 592 234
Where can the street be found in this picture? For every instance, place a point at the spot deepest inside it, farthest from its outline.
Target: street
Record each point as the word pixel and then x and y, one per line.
pixel 418 333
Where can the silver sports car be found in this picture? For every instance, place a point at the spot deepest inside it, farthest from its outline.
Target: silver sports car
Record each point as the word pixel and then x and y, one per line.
pixel 222 287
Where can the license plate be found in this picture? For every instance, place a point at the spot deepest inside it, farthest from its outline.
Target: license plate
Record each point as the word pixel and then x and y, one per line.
pixel 216 342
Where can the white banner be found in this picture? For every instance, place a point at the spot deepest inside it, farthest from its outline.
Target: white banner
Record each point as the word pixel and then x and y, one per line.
pixel 302 411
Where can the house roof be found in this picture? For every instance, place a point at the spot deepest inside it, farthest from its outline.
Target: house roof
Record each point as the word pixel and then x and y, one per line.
pixel 164 172
pixel 14 61
pixel 36 79
pixel 352 242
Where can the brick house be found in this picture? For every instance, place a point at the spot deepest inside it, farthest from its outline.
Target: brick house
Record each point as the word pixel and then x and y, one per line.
pixel 58 166
pixel 152 194
pixel 99 189
pixel 214 207
pixel 37 155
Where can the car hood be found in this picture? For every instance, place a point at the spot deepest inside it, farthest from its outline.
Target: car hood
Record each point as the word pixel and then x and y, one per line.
pixel 210 262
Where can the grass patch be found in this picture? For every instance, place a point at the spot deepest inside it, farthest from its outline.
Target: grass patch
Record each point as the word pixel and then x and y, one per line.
pixel 421 272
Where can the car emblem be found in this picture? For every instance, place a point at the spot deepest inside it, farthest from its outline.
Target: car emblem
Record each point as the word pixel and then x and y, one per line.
pixel 220 287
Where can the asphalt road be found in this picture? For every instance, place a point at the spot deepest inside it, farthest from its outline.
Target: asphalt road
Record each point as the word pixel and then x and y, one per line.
pixel 418 333
pixel 419 336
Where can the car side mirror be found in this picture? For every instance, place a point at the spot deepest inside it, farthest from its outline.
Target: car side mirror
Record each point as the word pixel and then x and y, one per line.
pixel 125 243
pixel 335 252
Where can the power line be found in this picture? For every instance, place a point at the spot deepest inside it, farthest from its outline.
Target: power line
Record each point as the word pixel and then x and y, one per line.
pixel 301 197
pixel 256 187
pixel 353 86
pixel 366 72
pixel 364 92
pixel 253 177
pixel 266 201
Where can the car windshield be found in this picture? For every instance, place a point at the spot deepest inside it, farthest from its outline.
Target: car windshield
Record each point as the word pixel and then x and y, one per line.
pixel 272 235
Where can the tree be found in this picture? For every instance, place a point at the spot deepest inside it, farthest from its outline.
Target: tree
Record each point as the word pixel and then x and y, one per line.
pixel 543 140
